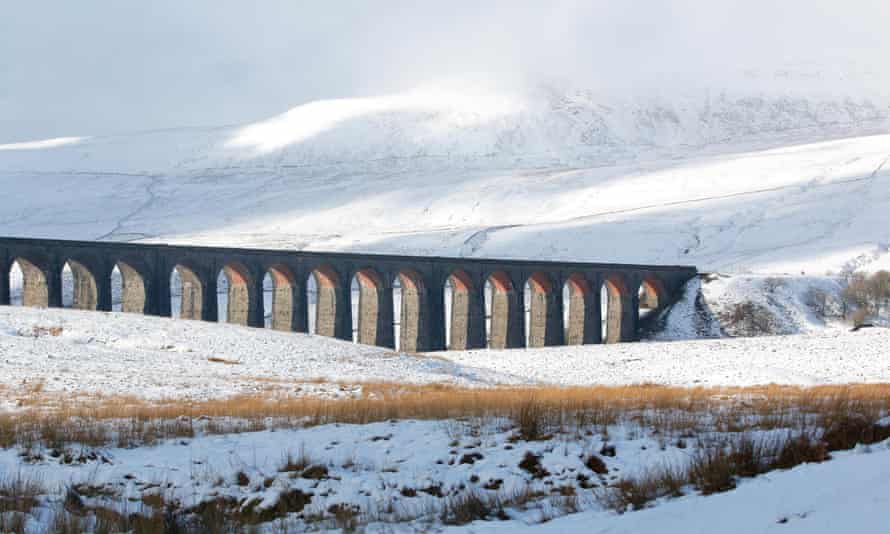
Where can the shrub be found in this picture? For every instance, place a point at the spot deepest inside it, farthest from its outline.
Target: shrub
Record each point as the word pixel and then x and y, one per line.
pixel 824 304
pixel 713 471
pixel 846 431
pixel 469 506
pixel 636 493
pixel 867 295
pixel 799 450
pixel 628 494
pixel 860 317
pixel 748 457
pixel 530 419
pixel 748 319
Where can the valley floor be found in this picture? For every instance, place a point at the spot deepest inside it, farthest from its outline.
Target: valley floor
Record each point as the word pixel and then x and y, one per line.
pixel 52 351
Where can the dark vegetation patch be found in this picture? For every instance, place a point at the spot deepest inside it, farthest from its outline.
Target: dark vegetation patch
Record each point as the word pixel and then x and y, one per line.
pixel 596 464
pixel 531 463
pixel 315 472
pixel 470 458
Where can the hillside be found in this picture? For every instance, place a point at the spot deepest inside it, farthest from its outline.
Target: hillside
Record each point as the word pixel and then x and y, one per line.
pixel 732 183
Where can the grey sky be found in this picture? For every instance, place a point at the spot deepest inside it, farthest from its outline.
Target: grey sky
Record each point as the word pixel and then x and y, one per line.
pixel 94 67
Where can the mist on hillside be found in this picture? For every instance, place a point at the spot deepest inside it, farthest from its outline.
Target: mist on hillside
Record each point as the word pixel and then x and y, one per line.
pixel 135 66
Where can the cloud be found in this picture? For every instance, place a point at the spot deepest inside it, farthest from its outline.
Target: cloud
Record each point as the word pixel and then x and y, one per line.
pixel 93 68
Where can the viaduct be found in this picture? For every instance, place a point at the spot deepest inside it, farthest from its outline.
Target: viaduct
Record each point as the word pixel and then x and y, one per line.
pixel 146 271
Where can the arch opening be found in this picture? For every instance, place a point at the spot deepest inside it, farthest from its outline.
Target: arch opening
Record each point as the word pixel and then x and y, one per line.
pixel 128 293
pixel 117 290
pixel 233 294
pixel 408 311
pixel 458 287
pixel 575 293
pixel 321 295
pixel 498 296
pixel 79 289
pixel 366 287
pixel 650 297
pixel 186 294
pixel 279 298
pixel 611 301
pixel 28 284
pixel 16 283
pixel 536 303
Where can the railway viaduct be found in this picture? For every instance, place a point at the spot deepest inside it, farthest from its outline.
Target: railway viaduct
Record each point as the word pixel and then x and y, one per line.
pixel 479 317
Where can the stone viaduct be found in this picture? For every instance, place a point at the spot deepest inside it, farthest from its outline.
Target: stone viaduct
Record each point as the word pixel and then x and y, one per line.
pixel 424 283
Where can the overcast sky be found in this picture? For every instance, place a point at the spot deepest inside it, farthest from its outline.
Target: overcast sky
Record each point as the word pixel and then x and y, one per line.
pixel 95 67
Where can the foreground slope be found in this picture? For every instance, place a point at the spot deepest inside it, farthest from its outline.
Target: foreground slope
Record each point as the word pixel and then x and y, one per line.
pixel 724 182
pixel 848 494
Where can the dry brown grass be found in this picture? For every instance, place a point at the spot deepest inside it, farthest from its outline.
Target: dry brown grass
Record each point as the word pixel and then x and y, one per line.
pixel 18 493
pixel 18 497
pixel 535 412
pixel 216 359
pixel 716 468
pixel 42 331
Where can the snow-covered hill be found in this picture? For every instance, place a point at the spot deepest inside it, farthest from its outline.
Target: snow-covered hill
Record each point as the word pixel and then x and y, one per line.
pixel 744 183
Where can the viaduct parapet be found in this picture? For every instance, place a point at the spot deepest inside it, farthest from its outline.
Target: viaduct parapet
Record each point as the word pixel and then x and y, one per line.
pixel 561 302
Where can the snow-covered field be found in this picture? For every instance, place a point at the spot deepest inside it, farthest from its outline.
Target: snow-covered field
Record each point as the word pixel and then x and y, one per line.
pixel 155 358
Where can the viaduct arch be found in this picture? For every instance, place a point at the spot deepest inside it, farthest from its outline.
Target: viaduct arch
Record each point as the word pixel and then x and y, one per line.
pixel 441 303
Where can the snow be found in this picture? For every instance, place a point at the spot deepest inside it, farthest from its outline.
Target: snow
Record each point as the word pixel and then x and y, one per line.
pixel 178 358
pixel 734 182
pixel 688 318
pixel 787 193
pixel 101 353
pixel 848 494
pixel 44 143
pixel 828 357
pixel 371 466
